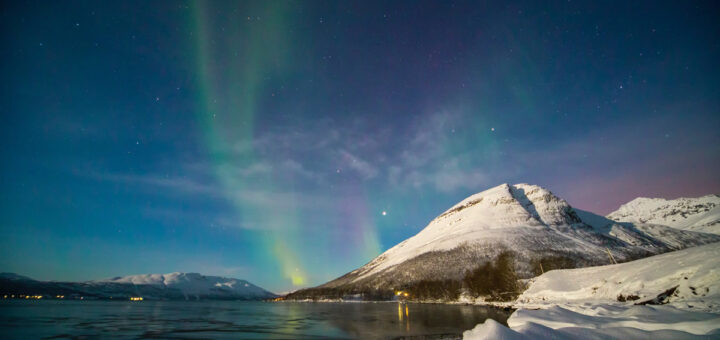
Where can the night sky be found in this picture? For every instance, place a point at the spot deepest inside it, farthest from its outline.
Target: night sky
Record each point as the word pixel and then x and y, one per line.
pixel 288 143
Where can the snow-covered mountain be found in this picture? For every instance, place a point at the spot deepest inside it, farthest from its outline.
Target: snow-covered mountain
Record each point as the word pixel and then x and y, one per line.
pixel 695 214
pixel 193 285
pixel 173 286
pixel 527 220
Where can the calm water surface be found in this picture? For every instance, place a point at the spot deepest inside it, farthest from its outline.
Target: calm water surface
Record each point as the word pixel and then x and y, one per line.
pixel 237 320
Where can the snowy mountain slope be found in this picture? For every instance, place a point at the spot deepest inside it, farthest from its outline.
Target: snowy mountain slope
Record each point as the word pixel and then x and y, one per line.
pixel 688 278
pixel 193 284
pixel 695 214
pixel 527 220
pixel 641 233
pixel 174 286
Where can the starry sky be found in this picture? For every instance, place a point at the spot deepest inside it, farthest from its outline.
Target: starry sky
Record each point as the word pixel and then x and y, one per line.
pixel 288 143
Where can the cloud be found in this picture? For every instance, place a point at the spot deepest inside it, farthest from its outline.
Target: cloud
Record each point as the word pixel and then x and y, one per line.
pixel 178 184
pixel 271 168
pixel 450 181
pixel 446 179
pixel 252 205
pixel 287 170
pixel 429 160
pixel 362 167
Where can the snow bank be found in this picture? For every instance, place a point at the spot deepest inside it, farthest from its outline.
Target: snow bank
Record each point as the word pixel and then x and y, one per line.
pixel 687 278
pixel 607 302
pixel 581 326
pixel 605 316
pixel 601 322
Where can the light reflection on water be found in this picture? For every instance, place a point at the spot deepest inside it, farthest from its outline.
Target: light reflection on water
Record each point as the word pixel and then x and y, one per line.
pixel 406 320
pixel 235 319
pixel 407 317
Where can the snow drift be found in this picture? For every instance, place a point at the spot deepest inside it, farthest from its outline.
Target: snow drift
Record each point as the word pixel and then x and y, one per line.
pixel 669 296
pixel 687 278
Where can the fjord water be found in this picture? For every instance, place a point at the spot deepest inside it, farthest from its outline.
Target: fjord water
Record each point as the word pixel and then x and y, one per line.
pixel 238 320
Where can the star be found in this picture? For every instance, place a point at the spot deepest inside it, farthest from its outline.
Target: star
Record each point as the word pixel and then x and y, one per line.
pixel 384 213
pixel 492 129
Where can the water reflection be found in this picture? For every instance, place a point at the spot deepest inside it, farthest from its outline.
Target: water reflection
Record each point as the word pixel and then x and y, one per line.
pixel 234 319
pixel 404 318
pixel 407 318
pixel 431 321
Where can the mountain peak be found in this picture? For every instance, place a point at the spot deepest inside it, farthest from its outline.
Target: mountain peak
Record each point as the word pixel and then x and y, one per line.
pixel 488 215
pixel 517 204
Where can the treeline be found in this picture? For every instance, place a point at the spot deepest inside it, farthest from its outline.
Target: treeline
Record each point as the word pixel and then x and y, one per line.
pixel 493 280
pixel 549 263
pixel 496 281
pixel 433 290
pixel 345 292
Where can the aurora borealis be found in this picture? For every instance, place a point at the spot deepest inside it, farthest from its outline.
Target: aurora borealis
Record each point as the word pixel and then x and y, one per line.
pixel 288 143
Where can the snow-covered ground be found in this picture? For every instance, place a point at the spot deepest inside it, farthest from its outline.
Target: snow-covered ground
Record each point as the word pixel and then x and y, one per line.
pixel 602 302
pixel 693 274
pixel 601 322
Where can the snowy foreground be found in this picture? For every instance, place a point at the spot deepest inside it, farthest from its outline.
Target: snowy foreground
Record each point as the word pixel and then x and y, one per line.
pixel 620 301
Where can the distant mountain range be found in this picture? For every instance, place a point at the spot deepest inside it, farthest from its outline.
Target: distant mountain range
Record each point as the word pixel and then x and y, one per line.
pixel 514 231
pixel 173 286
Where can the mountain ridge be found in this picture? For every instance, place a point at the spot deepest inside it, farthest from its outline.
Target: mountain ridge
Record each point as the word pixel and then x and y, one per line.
pixel 700 214
pixel 171 286
pixel 526 220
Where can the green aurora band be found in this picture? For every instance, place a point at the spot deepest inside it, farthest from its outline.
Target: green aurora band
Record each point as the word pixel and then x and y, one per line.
pixel 234 57
pixel 238 56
